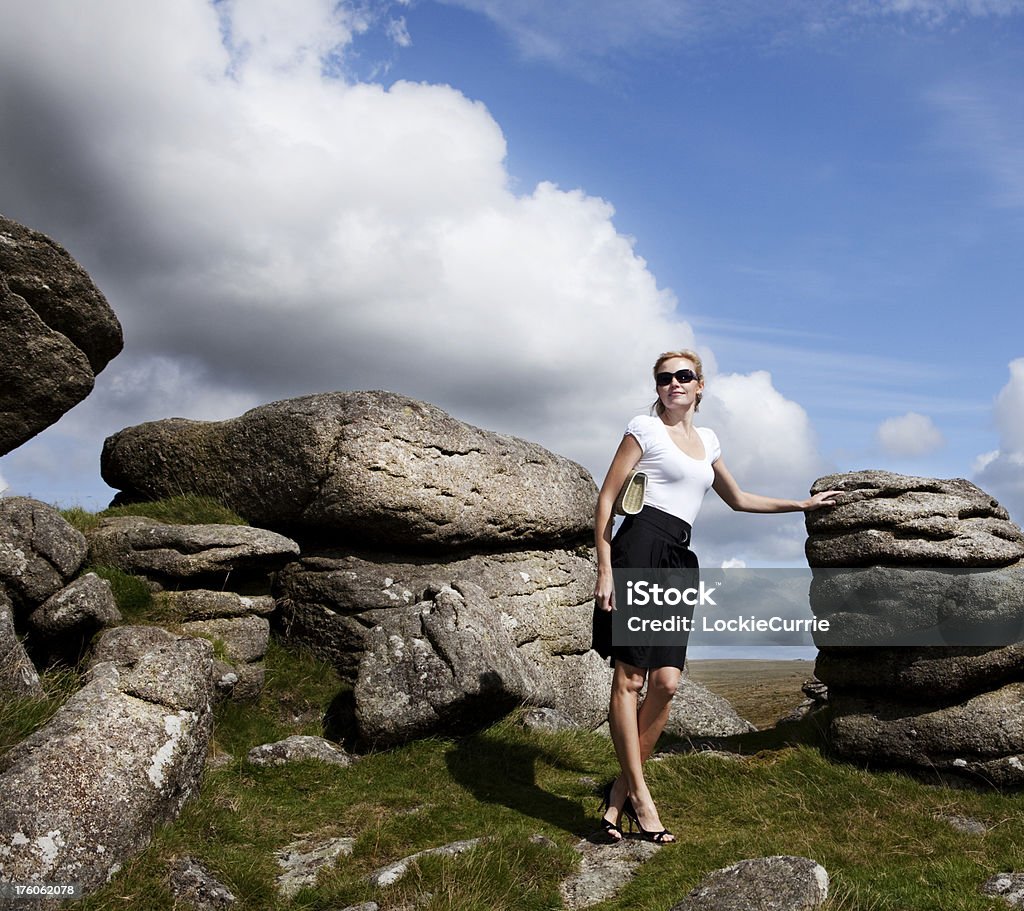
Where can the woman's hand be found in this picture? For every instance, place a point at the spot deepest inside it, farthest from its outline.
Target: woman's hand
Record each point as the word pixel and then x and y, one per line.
pixel 825 498
pixel 604 590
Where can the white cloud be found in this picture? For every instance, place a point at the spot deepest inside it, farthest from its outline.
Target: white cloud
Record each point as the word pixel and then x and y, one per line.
pixel 911 434
pixel 398 31
pixel 1001 473
pixel 770 448
pixel 266 227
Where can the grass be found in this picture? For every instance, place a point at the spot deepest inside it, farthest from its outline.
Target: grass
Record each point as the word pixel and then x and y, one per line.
pixel 20 716
pixel 879 835
pixel 187 509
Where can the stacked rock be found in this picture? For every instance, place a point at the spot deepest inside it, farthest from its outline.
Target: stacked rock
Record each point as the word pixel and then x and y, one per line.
pixel 40 556
pixel 923 583
pixel 211 581
pixel 445 569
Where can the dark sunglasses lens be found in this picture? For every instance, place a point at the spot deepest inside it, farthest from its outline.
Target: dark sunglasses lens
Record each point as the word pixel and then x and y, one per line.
pixel 684 376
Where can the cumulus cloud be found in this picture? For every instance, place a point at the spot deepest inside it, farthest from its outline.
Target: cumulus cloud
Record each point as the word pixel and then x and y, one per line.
pixel 1001 472
pixel 908 435
pixel 266 226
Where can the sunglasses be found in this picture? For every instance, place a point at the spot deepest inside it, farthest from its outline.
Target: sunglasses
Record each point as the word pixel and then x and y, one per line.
pixel 683 376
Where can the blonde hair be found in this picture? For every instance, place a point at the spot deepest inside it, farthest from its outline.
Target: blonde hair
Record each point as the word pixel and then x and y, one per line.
pixel 658 408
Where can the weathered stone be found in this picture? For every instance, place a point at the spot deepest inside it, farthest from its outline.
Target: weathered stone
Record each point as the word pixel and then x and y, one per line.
pixel 767 883
pixel 371 467
pixel 889 519
pixel 392 873
pixel 544 719
pixel 604 870
pixel 544 600
pixel 59 332
pixel 201 604
pixel 983 736
pixel 39 551
pixel 302 861
pixel 697 712
pixel 299 748
pixel 60 291
pixel 579 685
pixel 125 645
pixel 84 606
pixel 195 887
pixel 18 676
pixel 966 824
pixel 84 793
pixel 42 374
pixel 1007 886
pixel 245 639
pixel 442 666
pixel 882 606
pixel 135 544
pixel 921 674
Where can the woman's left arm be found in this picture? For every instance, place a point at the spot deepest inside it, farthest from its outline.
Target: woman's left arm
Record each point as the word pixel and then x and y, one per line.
pixel 726 487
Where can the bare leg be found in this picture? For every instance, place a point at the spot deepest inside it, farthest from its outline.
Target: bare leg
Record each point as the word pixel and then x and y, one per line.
pixel 627 681
pixel 661 687
pixel 635 734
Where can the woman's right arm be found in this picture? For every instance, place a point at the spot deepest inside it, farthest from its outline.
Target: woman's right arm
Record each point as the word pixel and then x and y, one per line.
pixel 626 457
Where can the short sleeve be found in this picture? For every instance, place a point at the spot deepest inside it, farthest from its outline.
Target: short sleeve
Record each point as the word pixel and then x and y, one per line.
pixel 712 444
pixel 639 429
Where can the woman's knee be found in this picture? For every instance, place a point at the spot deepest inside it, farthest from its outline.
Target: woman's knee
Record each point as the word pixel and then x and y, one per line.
pixel 663 683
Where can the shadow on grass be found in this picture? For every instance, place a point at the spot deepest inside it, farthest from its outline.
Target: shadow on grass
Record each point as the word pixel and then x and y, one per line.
pixel 501 772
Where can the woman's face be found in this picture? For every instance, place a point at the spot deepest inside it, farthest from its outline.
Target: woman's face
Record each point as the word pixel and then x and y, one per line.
pixel 676 394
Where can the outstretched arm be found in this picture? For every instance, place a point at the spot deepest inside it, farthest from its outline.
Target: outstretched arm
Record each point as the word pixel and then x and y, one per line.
pixel 726 487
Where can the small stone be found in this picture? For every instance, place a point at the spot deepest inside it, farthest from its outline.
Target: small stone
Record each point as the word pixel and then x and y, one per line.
pixel 1007 886
pixel 193 885
pixel 302 861
pixel 392 873
pixel 604 870
pixel 299 748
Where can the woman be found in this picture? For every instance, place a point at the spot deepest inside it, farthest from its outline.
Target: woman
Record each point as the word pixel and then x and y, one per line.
pixel 681 462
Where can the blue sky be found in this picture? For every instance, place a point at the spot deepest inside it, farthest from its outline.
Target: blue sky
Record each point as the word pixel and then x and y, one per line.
pixel 510 207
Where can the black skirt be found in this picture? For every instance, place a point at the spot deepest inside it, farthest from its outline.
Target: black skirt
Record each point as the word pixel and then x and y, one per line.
pixel 651 539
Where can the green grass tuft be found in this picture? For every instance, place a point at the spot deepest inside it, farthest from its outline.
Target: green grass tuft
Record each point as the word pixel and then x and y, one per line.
pixel 187 509
pixel 132 594
pixel 19 717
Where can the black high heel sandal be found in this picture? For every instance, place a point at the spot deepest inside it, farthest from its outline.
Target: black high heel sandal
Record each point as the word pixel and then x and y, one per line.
pixel 659 838
pixel 612 831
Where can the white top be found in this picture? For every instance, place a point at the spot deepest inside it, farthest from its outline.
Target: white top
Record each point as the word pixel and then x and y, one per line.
pixel 676 482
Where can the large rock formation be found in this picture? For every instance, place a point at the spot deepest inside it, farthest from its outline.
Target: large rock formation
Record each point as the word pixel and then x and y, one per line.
pixel 83 794
pixel 368 468
pixel 926 578
pixel 59 332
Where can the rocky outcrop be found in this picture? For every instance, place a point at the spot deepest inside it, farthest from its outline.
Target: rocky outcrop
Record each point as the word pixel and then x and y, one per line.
pixel 365 468
pixel 240 644
pixel 59 332
pixel 926 577
pixel 39 552
pixel 185 554
pixel 697 712
pixel 84 793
